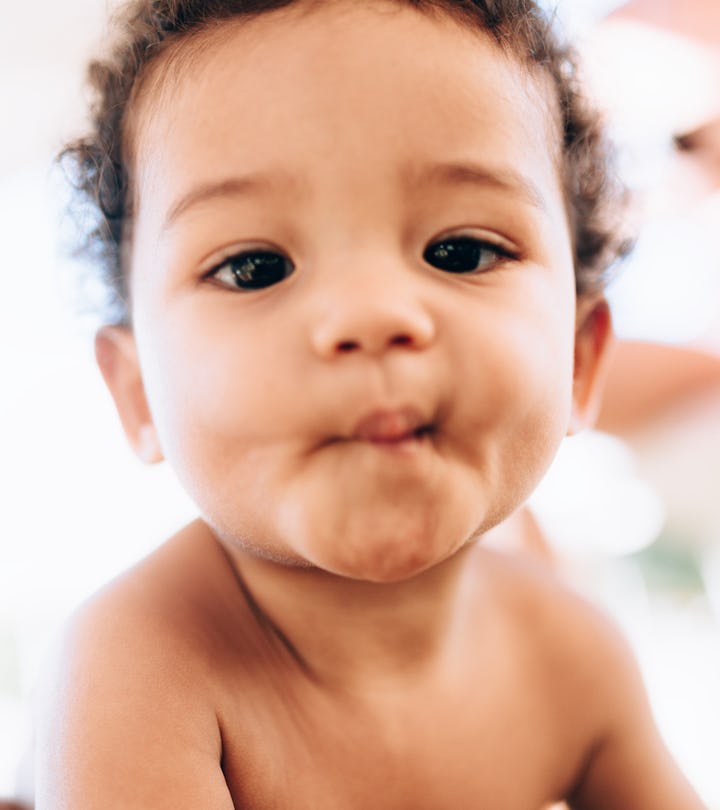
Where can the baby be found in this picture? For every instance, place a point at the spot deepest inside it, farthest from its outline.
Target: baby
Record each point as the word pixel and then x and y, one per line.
pixel 357 252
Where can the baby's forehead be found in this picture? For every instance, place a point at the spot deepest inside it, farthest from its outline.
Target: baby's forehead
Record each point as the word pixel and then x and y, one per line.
pixel 326 31
pixel 362 61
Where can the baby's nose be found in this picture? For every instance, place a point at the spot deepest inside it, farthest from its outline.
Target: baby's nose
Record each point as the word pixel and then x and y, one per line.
pixel 363 324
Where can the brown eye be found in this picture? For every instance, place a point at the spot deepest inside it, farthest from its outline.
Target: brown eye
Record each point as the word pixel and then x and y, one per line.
pixel 463 254
pixel 253 269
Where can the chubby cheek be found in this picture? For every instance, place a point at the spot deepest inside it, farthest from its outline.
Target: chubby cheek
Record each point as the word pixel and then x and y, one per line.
pixel 216 400
pixel 522 398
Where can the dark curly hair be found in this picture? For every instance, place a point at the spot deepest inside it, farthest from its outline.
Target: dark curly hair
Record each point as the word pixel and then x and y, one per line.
pixel 99 168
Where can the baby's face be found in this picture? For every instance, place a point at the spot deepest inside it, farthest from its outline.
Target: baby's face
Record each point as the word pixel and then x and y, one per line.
pixel 353 293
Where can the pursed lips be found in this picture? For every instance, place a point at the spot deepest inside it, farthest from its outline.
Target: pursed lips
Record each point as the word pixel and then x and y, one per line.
pixel 390 427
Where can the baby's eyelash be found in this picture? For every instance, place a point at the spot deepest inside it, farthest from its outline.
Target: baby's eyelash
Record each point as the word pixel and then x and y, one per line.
pixel 464 254
pixel 252 269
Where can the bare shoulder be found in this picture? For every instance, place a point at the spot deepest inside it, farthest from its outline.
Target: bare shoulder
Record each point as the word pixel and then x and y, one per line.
pixel 548 613
pixel 567 644
pixel 172 606
pixel 586 669
pixel 129 708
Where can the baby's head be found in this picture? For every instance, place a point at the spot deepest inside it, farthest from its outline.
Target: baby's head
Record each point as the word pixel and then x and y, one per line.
pixel 348 240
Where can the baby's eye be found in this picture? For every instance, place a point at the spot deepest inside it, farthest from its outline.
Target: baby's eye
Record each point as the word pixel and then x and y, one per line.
pixel 463 254
pixel 253 269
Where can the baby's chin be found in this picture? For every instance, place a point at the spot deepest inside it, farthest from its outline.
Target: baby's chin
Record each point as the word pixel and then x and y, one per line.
pixel 374 537
pixel 383 547
pixel 391 562
pixel 381 560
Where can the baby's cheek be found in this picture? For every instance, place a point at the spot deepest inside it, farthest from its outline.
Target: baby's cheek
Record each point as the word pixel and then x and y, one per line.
pixel 525 407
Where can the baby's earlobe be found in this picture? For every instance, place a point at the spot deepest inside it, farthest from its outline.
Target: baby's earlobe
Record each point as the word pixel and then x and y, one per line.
pixel 147 446
pixel 593 346
pixel 117 358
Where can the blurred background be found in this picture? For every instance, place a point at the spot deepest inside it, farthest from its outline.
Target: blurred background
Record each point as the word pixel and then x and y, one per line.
pixel 632 511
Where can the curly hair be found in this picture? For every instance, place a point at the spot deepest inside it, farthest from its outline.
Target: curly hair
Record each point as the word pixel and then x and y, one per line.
pixel 98 165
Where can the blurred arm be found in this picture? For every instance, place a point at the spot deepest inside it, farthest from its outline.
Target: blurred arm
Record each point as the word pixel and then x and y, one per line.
pixel 647 380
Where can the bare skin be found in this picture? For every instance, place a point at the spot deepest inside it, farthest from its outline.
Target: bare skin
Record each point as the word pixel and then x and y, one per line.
pixel 509 692
pixel 333 634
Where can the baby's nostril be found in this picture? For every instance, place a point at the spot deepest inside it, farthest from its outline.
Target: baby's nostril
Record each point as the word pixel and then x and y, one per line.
pixel 400 340
pixel 347 346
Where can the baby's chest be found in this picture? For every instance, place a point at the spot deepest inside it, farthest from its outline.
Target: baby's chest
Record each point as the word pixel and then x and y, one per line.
pixel 453 753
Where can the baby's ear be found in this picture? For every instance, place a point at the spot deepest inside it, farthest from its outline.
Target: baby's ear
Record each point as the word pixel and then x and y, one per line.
pixel 593 347
pixel 116 355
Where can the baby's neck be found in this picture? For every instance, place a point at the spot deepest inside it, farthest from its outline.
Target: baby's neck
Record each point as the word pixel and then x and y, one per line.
pixel 361 634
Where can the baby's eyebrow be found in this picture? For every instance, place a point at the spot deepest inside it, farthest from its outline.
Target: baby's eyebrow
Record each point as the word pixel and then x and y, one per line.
pixel 448 173
pixel 473 174
pixel 239 186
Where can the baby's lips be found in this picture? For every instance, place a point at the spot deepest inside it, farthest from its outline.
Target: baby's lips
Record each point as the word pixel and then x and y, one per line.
pixel 391 425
